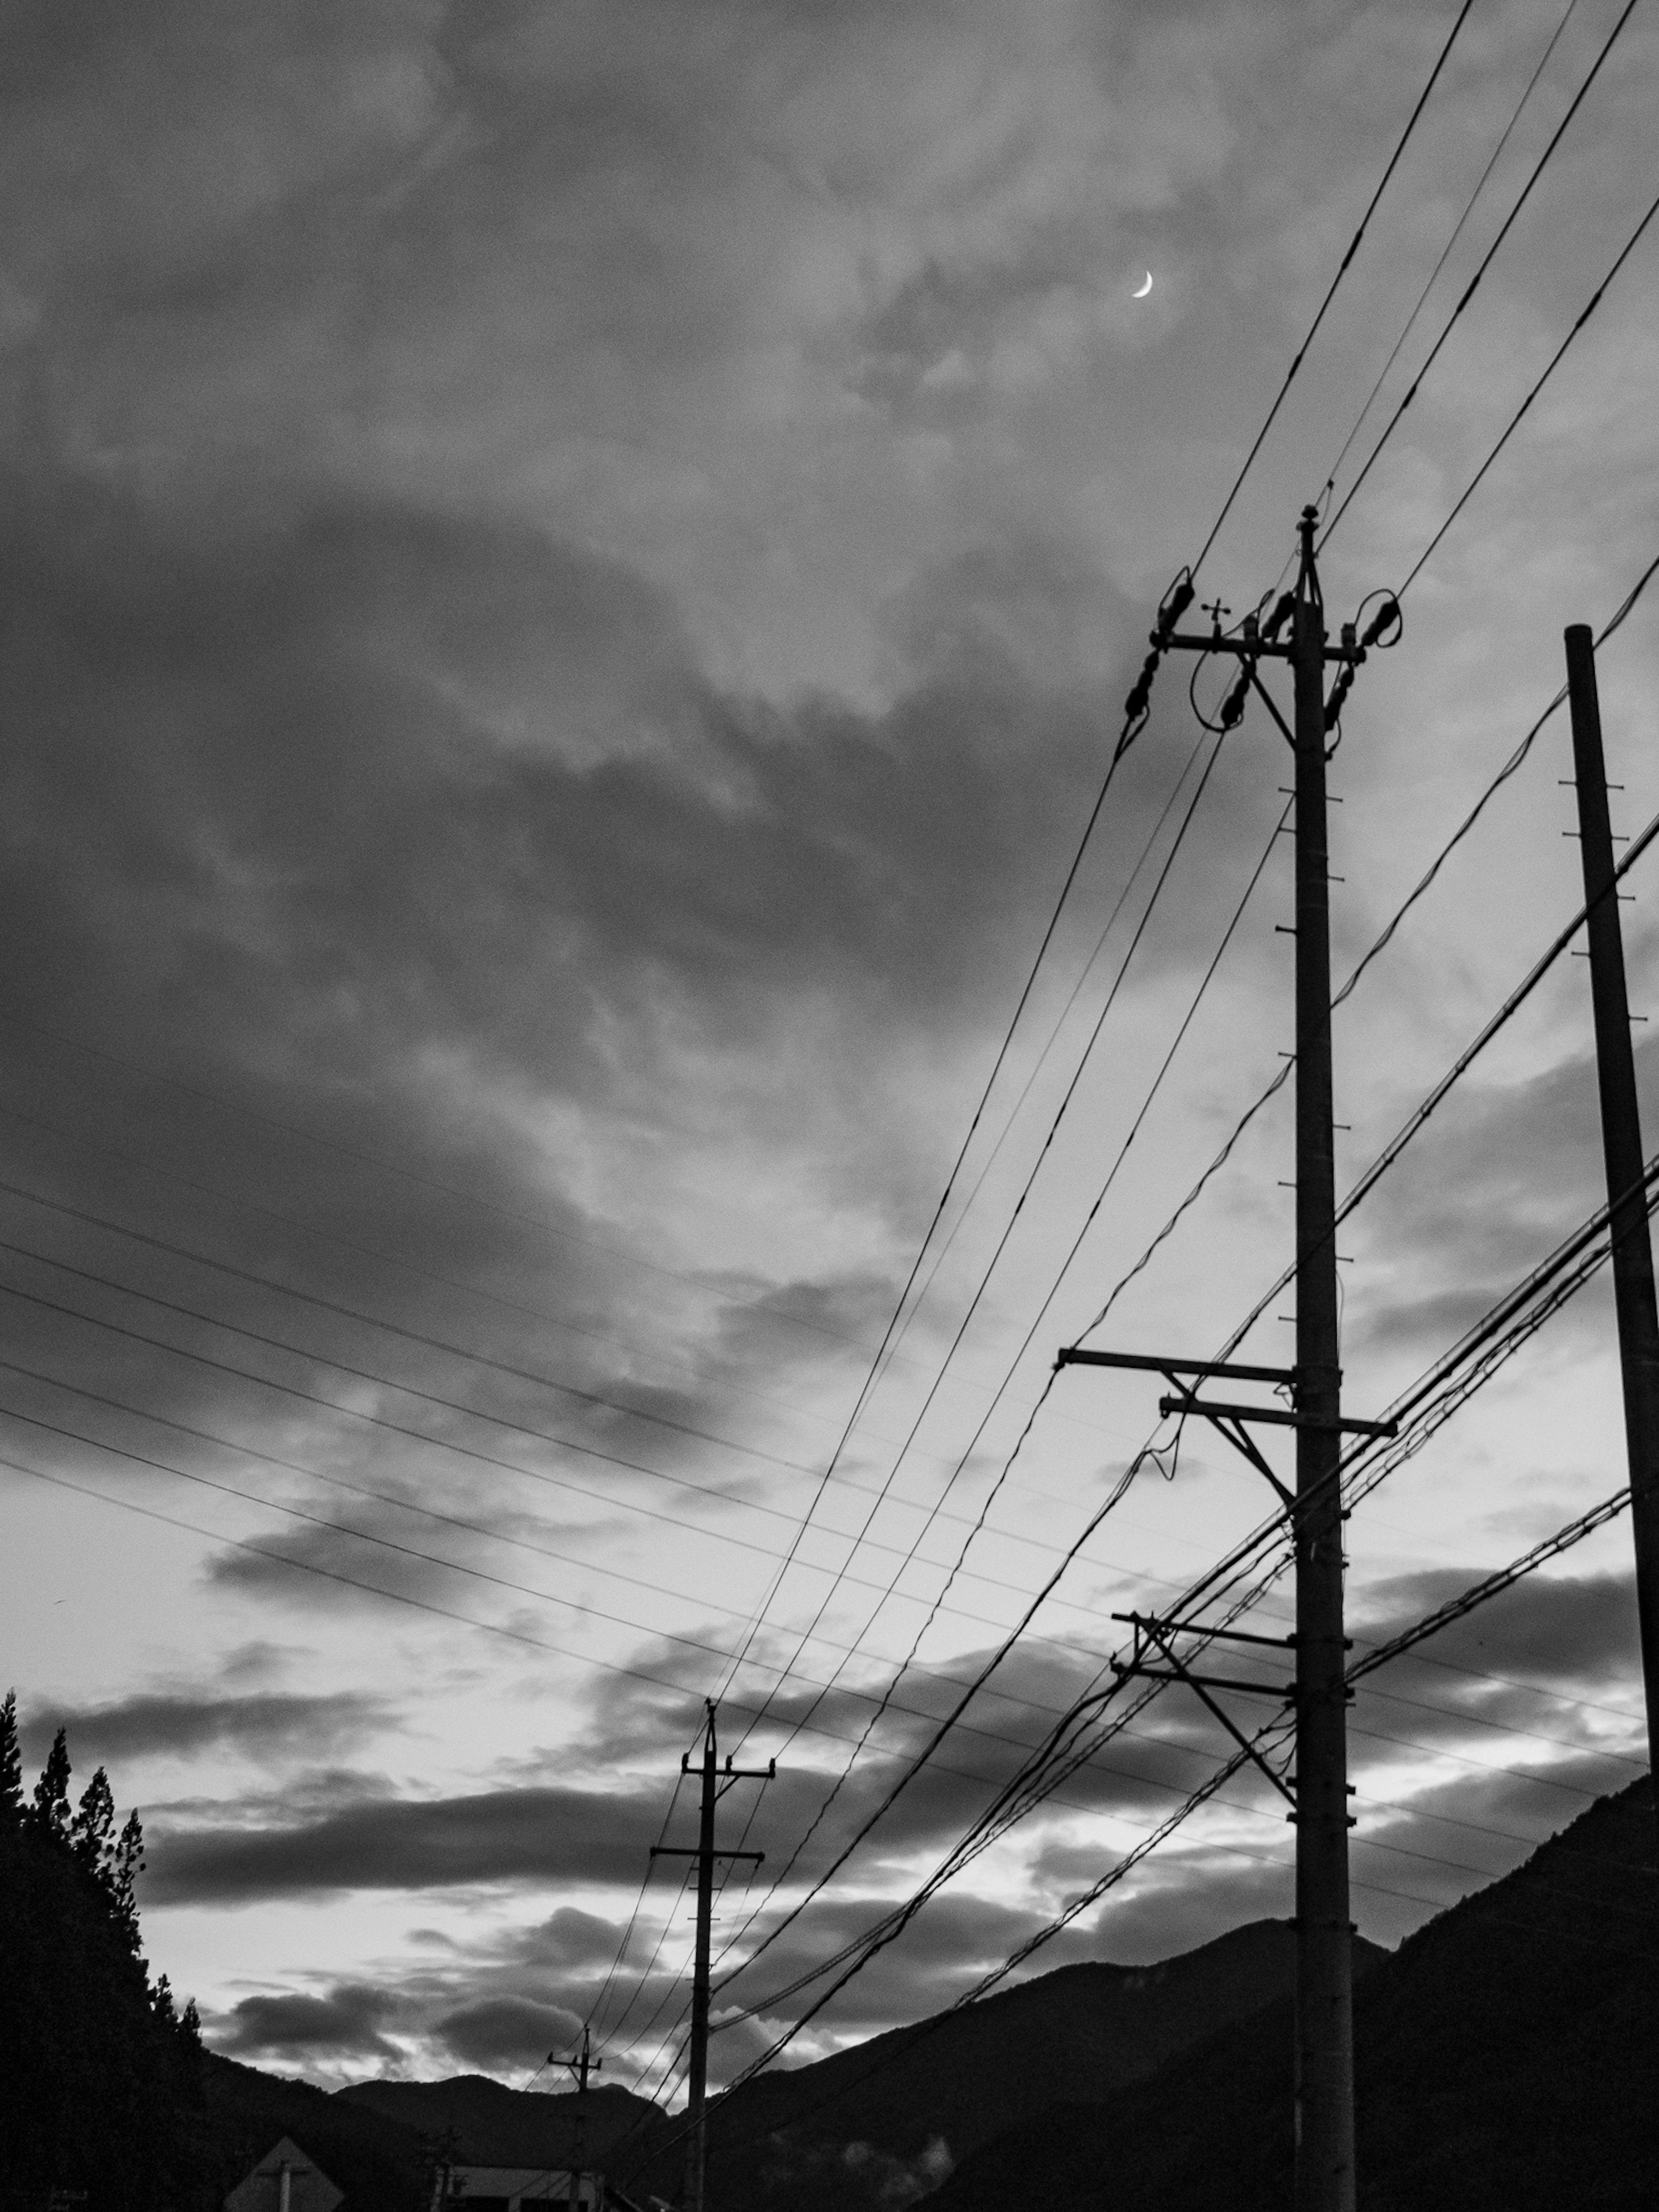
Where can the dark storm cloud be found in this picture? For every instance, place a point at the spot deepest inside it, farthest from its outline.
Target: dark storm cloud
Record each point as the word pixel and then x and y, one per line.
pixel 490 1836
pixel 338 1835
pixel 347 2023
pixel 264 1725
pixel 507 2031
pixel 512 1836
pixel 1534 1699
pixel 349 793
pixel 568 1939
pixel 389 784
pixel 427 1555
pixel 1569 1631
pixel 1496 1179
pixel 951 1941
pixel 1024 1699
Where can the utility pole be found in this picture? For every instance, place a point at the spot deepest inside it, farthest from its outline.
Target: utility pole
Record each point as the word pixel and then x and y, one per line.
pixel 438 2156
pixel 1621 1143
pixel 716 1781
pixel 581 2067
pixel 1318 1795
pixel 1324 1976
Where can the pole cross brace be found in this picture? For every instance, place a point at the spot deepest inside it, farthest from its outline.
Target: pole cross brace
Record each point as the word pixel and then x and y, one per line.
pixel 1172 1369
pixel 1272 705
pixel 1227 1422
pixel 691 1851
pixel 1157 1634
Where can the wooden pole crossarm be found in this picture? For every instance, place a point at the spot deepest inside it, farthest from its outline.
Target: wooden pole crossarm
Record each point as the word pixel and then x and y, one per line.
pixel 1156 1364
pixel 1253 648
pixel 1202 1628
pixel 1280 1417
pixel 692 1852
pixel 1139 1670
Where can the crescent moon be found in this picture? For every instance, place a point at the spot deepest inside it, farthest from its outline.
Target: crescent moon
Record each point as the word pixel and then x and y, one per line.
pixel 1145 287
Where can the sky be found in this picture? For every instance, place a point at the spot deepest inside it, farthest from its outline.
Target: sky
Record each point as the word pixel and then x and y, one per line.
pixel 570 573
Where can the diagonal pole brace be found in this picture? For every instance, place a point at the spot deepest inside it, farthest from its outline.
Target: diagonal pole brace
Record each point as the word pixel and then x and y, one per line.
pixel 1234 1431
pixel 1225 1719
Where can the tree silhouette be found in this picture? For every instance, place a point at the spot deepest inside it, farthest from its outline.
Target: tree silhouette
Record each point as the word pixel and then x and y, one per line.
pixel 51 1811
pixel 11 1766
pixel 101 2073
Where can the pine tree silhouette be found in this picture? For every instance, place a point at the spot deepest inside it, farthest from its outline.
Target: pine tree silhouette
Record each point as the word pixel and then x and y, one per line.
pixel 11 1766
pixel 50 1815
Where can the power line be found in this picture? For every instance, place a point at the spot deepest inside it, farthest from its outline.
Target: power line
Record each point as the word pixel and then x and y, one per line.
pixel 1391 1152
pixel 1514 423
pixel 300 1566
pixel 1342 271
pixel 1384 937
pixel 339 1311
pixel 430 1559
pixel 1437 1377
pixel 882 1705
pixel 1272 413
pixel 1493 1585
pixel 1440 1383
pixel 1489 1369
pixel 611 1499
pixel 1575 1532
pixel 1480 183
pixel 893 1923
pixel 475 1528
pixel 1002 1242
pixel 1040 1061
pixel 360 1156
pixel 1543 162
pixel 1135 1126
pixel 246 1205
pixel 597 2007
pixel 1003 1050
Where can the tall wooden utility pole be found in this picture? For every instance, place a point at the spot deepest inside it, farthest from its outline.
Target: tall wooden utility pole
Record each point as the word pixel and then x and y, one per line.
pixel 1621 1143
pixel 716 1781
pixel 1319 1793
pixel 1324 1973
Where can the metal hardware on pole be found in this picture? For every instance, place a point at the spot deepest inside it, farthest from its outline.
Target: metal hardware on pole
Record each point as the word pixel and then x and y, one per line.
pixel 716 1781
pixel 1621 1143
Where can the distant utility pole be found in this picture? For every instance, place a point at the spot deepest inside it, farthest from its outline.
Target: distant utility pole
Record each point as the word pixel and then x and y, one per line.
pixel 1319 1792
pixel 716 1781
pixel 439 2154
pixel 1621 1144
pixel 581 2067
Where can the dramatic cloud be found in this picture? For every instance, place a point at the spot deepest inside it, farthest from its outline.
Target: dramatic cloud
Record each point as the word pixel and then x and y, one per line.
pixel 506 2032
pixel 525 1834
pixel 568 595
pixel 266 1726
pixel 344 2024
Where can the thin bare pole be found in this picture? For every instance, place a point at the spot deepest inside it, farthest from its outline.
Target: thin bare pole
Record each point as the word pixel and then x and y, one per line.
pixel 1621 1144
